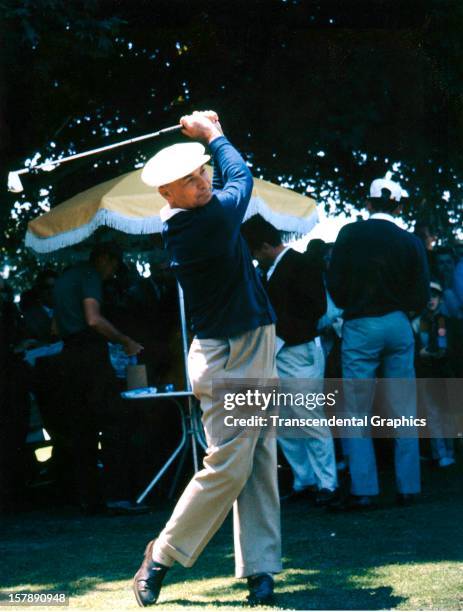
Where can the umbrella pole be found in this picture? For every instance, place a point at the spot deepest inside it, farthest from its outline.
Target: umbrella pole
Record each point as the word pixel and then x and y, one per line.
pixel 184 330
pixel 193 434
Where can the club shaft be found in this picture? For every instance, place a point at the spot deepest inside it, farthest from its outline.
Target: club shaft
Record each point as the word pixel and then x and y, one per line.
pixel 173 128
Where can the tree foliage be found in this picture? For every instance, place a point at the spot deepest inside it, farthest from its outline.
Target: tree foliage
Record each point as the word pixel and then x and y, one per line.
pixel 320 95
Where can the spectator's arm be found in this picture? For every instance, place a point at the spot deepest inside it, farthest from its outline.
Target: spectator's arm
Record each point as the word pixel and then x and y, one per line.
pixel 102 326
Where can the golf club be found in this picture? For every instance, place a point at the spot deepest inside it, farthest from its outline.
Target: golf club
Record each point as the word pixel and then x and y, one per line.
pixel 15 184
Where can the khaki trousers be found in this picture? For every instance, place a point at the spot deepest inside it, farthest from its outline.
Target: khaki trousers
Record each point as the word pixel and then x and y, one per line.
pixel 240 473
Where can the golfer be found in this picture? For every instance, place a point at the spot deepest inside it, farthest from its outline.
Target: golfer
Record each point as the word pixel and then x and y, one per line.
pixel 233 323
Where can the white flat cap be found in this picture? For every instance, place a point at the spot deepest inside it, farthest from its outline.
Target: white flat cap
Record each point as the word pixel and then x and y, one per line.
pixel 436 286
pixel 173 163
pixel 396 190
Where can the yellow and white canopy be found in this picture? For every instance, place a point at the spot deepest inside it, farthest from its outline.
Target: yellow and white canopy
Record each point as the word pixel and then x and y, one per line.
pixel 125 203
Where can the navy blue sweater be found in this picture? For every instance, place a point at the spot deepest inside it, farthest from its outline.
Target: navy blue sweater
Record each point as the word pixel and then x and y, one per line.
pixel 377 268
pixel 210 258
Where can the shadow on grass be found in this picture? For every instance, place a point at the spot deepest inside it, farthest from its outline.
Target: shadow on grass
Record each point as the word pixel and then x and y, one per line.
pixel 331 559
pixel 374 599
pixel 320 593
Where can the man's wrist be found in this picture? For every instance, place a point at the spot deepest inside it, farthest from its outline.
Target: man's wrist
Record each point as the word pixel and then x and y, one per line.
pixel 213 134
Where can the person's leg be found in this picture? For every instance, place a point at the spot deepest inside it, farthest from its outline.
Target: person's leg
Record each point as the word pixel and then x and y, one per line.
pixel 312 461
pixel 81 424
pixel 256 512
pixel 407 465
pixel 212 491
pixel 433 400
pixel 398 364
pixel 431 407
pixel 443 451
pixel 362 467
pixel 206 501
pixel 294 449
pixel 113 416
pixel 320 444
pixel 311 457
pixel 256 516
pixel 361 355
pixel 450 448
pixel 296 454
pixel 438 449
pixel 84 448
pixel 322 458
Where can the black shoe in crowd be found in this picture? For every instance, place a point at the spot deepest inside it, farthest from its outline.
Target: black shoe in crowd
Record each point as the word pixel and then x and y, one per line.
pixel 406 499
pixel 306 494
pixel 260 590
pixel 354 503
pixel 147 582
pixel 325 498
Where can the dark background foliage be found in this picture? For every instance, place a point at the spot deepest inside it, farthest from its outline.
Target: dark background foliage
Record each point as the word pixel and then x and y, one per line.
pixel 325 95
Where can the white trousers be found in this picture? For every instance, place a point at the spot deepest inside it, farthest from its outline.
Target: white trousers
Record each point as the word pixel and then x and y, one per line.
pixel 312 457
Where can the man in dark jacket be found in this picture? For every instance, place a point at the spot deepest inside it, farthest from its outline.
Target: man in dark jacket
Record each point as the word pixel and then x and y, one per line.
pixel 297 293
pixel 379 274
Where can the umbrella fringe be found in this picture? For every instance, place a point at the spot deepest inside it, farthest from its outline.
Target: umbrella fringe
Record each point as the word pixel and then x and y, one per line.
pixel 292 227
pixel 104 217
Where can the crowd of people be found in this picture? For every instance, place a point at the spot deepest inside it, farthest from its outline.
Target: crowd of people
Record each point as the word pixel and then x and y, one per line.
pixel 331 320
pixel 61 371
pixel 380 302
pixel 310 326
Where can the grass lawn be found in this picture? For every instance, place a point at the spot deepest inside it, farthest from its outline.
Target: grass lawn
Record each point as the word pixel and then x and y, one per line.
pixel 406 558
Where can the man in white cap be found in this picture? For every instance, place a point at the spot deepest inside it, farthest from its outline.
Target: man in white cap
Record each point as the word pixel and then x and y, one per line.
pixel 378 275
pixel 233 323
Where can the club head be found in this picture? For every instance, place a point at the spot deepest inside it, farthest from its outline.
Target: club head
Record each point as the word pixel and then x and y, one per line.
pixel 14 182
